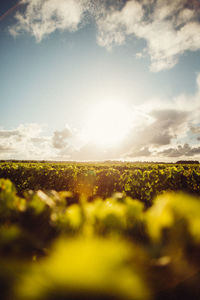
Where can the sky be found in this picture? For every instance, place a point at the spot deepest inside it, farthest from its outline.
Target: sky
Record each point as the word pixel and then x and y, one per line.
pixel 100 80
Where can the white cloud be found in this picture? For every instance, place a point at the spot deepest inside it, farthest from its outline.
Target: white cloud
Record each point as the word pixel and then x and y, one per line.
pixel 41 17
pixel 169 30
pixel 169 27
pixel 25 142
pixel 114 25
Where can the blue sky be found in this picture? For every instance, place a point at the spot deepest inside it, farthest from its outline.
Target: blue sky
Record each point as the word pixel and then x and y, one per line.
pixel 61 61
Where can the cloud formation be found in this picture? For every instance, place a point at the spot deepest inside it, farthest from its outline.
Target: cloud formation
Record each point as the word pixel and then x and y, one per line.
pixel 180 151
pixel 41 18
pixel 166 126
pixel 169 127
pixel 25 142
pixel 60 138
pixel 169 27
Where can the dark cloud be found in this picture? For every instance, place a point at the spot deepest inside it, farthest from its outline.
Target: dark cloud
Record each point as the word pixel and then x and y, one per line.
pixel 39 140
pixel 195 130
pixel 88 152
pixel 164 128
pixel 60 138
pixel 5 149
pixel 141 152
pixel 179 151
pixel 171 116
pixel 10 133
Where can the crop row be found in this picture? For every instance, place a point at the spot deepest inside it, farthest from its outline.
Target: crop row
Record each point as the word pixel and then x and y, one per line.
pixel 139 181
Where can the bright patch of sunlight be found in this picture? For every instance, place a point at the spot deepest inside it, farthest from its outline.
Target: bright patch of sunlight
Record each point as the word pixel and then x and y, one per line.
pixel 108 123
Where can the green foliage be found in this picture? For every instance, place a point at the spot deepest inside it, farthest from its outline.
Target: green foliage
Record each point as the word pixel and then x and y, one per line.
pixel 142 181
pixel 84 268
pixel 10 203
pixel 57 245
pixel 173 210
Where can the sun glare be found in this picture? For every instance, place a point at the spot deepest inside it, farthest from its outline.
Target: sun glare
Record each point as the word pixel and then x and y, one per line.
pixel 108 123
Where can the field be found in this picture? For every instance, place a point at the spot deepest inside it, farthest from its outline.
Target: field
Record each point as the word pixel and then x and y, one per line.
pixel 110 230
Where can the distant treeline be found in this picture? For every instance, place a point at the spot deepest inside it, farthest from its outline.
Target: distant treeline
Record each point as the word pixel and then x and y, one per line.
pixel 187 162
pixel 102 162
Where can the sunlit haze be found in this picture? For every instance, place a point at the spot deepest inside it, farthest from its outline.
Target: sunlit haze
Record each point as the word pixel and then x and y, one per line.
pixel 108 123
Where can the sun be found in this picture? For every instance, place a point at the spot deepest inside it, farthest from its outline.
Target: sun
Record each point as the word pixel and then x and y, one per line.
pixel 108 123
